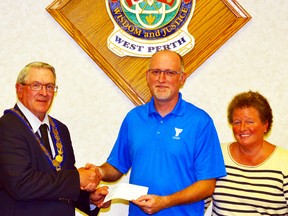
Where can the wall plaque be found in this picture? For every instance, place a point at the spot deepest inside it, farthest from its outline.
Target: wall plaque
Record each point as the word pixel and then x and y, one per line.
pixel 211 24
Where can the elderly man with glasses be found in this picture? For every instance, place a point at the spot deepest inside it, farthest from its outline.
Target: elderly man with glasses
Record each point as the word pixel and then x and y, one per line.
pixel 37 172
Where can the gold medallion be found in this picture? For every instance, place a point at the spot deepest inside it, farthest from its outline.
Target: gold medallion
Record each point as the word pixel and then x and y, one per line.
pixel 59 158
pixel 55 163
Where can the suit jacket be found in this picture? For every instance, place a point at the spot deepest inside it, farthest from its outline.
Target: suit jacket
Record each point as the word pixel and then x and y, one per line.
pixel 29 185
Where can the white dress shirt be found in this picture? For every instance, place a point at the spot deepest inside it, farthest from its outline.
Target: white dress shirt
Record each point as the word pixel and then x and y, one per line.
pixel 36 123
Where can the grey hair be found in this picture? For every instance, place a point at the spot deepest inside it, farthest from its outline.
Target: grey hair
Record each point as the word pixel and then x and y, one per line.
pixel 24 73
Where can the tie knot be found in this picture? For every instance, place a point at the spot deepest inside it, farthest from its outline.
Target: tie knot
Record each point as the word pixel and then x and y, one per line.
pixel 43 128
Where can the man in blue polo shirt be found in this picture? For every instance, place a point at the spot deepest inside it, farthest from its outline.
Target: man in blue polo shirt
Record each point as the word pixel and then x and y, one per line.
pixel 170 145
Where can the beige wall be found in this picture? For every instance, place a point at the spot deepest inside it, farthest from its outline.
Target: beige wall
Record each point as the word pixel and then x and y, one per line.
pixel 93 107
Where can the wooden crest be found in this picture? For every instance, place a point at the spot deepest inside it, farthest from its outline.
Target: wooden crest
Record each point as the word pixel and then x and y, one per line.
pixel 88 23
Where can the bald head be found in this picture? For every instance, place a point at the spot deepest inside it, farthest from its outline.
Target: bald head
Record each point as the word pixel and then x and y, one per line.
pixel 164 57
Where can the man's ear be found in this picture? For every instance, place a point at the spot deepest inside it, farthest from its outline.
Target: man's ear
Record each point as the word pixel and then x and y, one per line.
pixel 183 78
pixel 147 77
pixel 19 89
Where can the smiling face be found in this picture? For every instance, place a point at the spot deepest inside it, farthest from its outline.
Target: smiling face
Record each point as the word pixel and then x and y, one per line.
pixel 163 87
pixel 38 102
pixel 247 126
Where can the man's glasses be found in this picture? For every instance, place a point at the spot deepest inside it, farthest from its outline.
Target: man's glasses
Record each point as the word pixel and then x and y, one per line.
pixel 167 72
pixel 37 86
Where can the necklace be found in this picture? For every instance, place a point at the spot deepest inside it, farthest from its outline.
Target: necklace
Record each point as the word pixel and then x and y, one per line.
pixel 57 161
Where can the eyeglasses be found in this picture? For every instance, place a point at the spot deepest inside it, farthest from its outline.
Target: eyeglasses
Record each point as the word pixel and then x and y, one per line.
pixel 37 86
pixel 167 72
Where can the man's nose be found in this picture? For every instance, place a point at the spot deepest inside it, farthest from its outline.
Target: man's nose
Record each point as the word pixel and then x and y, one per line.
pixel 162 76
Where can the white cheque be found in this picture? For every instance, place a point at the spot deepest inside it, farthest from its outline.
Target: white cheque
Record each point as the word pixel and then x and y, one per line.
pixel 125 191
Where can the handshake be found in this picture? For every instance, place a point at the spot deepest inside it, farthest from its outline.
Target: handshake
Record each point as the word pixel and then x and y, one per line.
pixel 90 177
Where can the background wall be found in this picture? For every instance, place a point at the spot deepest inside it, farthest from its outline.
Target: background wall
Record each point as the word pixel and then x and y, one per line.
pixel 93 107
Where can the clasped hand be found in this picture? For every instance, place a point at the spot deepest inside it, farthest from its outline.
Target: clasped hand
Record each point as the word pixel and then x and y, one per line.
pixel 89 178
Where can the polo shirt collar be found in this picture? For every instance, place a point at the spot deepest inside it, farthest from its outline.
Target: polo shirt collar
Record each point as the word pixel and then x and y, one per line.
pixel 178 109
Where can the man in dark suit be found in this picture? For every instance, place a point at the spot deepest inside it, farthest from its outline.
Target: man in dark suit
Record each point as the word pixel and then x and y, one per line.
pixel 36 179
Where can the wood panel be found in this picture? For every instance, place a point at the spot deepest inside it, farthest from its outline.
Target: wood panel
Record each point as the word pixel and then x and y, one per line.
pixel 89 24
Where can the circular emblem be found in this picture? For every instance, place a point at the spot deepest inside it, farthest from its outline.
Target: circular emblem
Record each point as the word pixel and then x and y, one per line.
pixel 141 26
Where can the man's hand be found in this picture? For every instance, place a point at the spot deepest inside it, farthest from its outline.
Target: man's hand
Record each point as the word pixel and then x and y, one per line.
pixel 97 197
pixel 151 204
pixel 89 178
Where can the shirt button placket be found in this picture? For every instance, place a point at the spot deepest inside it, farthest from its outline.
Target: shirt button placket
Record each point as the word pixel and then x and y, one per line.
pixel 160 126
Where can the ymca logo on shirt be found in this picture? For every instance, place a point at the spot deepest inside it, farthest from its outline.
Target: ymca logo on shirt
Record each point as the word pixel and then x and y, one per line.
pixel 177 133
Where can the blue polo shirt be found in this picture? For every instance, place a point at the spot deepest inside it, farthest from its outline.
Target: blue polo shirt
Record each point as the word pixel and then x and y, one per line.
pixel 168 154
